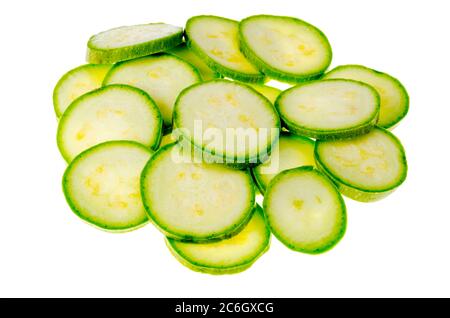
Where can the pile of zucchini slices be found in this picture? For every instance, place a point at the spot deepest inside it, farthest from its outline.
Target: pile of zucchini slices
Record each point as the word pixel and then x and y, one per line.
pixel 150 128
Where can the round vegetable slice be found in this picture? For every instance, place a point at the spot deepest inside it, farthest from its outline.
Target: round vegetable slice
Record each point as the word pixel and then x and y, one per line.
pixel 365 168
pixel 285 48
pixel 292 151
pixel 269 92
pixel 101 185
pixel 115 112
pixel 162 76
pixel 228 256
pixel 237 125
pixel 185 53
pixel 305 211
pixel 195 201
pixel 77 82
pixel 129 42
pixel 329 109
pixel 216 41
pixel 394 100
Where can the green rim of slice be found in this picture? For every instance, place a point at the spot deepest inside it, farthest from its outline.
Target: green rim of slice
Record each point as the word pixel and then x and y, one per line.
pixel 101 185
pixel 228 256
pixel 221 51
pixel 262 35
pixel 130 42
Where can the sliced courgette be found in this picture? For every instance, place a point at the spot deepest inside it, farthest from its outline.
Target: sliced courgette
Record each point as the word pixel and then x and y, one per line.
pixel 77 82
pixel 101 185
pixel 195 201
pixel 305 211
pixel 216 41
pixel 269 92
pixel 115 112
pixel 236 124
pixel 285 48
pixel 291 151
pixel 228 256
pixel 365 168
pixel 129 42
pixel 394 100
pixel 185 53
pixel 329 109
pixel 162 76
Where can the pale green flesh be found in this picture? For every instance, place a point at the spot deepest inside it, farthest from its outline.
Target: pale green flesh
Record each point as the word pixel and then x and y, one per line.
pixel 127 36
pixel 290 152
pixel 163 77
pixel 329 105
pixel 269 92
pixel 110 113
pixel 304 210
pixel 372 162
pixel 186 54
pixel 223 107
pixel 102 185
pixel 77 82
pixel 241 249
pixel 218 39
pixel 178 204
pixel 393 97
pixel 286 45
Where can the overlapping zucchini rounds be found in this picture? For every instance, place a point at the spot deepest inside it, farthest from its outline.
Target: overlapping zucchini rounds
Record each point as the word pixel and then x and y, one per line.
pixel 151 132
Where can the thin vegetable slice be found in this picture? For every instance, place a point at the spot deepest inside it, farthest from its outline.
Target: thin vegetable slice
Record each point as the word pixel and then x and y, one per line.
pixel 329 109
pixel 101 185
pixel 241 124
pixel 292 151
pixel 394 100
pixel 228 256
pixel 305 211
pixel 195 201
pixel 185 53
pixel 285 48
pixel 216 41
pixel 162 76
pixel 365 168
pixel 115 112
pixel 77 82
pixel 129 42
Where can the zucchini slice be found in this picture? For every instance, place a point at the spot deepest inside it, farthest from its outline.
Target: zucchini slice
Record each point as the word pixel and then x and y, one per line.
pixel 129 42
pixel 162 76
pixel 394 100
pixel 292 151
pixel 185 53
pixel 365 168
pixel 228 256
pixel 269 92
pixel 285 48
pixel 216 41
pixel 329 109
pixel 195 201
pixel 305 211
pixel 101 185
pixel 237 125
pixel 167 139
pixel 115 112
pixel 77 82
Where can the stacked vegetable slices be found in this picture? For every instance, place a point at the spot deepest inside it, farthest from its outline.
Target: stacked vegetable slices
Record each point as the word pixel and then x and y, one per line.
pixel 150 130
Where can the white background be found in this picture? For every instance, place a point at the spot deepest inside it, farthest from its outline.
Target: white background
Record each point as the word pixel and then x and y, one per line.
pixel 395 247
